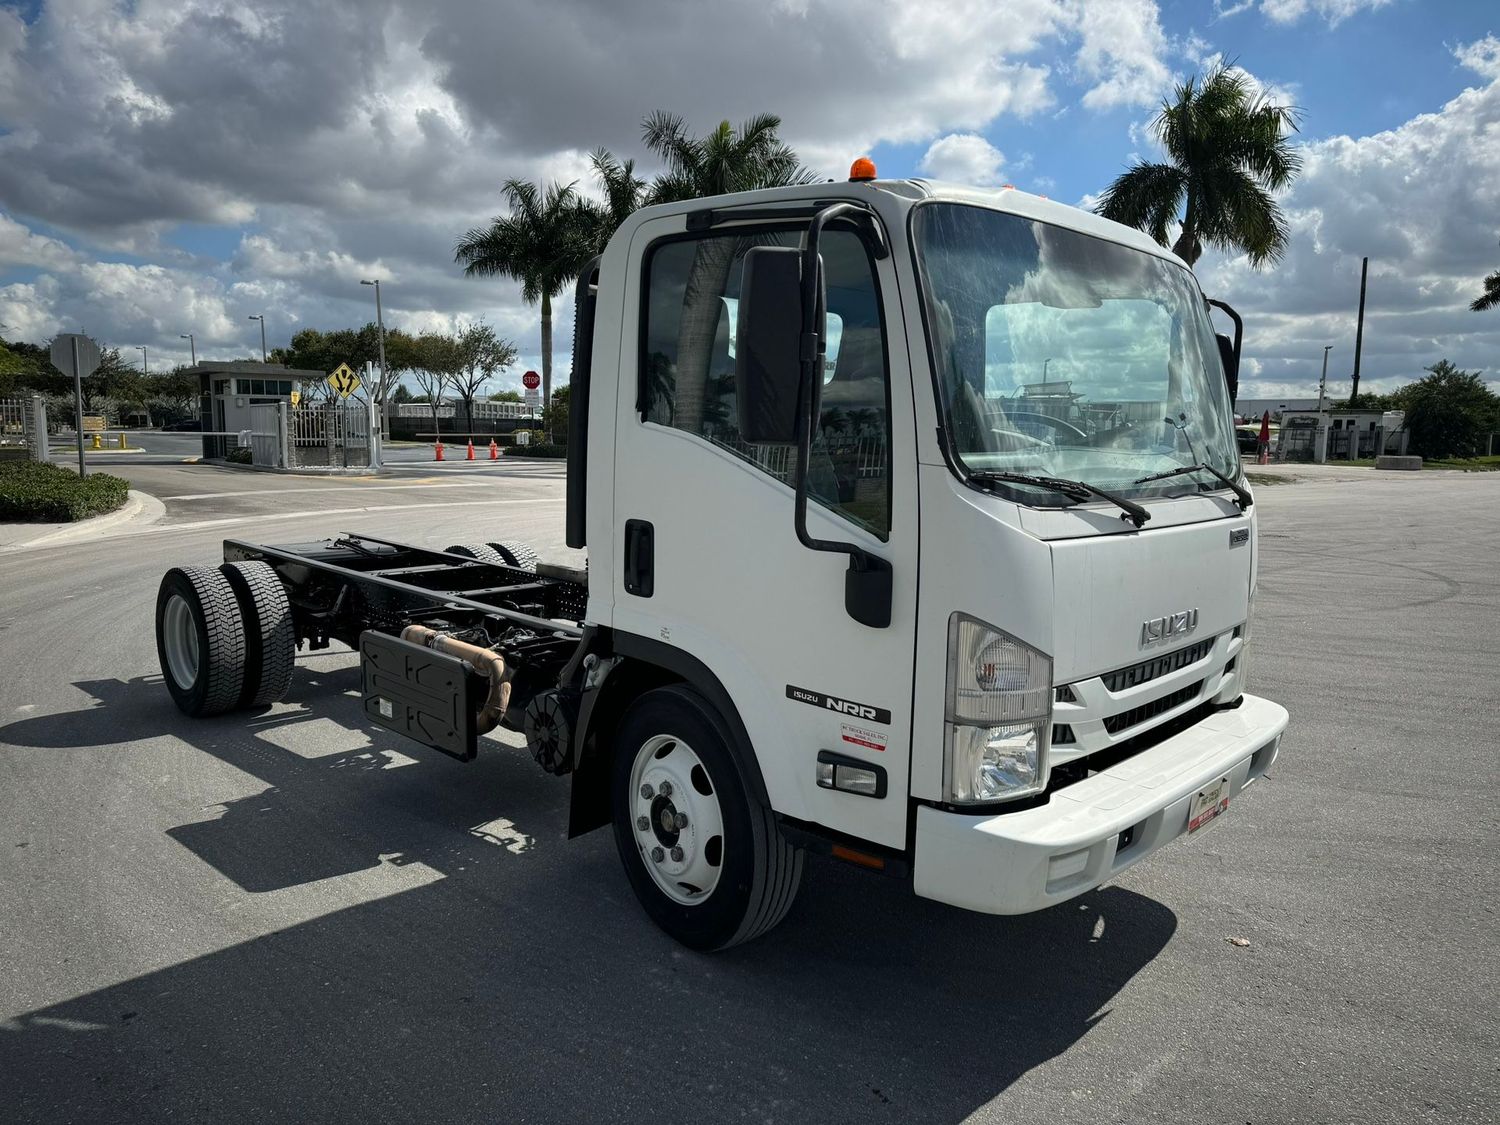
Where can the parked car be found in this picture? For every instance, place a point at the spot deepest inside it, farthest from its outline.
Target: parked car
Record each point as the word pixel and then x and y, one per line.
pixel 192 424
pixel 1247 439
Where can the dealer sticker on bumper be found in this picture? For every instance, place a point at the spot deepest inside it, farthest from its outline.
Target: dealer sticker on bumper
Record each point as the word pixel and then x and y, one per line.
pixel 1208 803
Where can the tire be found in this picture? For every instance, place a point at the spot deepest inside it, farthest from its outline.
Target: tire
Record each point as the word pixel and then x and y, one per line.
pixel 481 551
pixel 200 640
pixel 704 905
pixel 519 555
pixel 270 640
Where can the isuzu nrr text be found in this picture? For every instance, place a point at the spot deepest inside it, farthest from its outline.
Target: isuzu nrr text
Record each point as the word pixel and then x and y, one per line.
pixel 917 537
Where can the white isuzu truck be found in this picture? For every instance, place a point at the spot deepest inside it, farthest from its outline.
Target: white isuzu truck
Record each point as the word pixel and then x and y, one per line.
pixel 917 537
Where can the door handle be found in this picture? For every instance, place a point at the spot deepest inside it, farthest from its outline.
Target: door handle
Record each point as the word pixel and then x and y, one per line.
pixel 640 558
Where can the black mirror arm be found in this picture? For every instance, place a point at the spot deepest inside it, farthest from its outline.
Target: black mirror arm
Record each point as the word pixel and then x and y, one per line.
pixel 868 583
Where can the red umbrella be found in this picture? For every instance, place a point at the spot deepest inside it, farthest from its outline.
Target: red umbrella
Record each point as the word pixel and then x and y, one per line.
pixel 1265 428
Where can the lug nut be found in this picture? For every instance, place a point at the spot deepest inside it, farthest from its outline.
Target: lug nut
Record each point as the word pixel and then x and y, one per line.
pixel 643 822
pixel 647 792
pixel 657 855
pixel 666 788
pixel 681 821
pixel 676 855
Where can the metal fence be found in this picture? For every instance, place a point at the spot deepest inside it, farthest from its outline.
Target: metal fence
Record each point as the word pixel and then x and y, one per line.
pixel 23 428
pixel 319 435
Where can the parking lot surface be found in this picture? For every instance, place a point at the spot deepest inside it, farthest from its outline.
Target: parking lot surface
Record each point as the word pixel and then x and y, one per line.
pixel 294 915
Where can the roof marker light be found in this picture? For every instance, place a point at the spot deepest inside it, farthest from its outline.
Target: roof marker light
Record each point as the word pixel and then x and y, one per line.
pixel 861 170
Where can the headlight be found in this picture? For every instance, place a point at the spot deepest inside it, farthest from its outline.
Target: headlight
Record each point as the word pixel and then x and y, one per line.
pixel 999 712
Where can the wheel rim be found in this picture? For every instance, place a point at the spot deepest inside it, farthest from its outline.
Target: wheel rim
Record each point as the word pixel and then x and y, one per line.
pixel 179 634
pixel 676 819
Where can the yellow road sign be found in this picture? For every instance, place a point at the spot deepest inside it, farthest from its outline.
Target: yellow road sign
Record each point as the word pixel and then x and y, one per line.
pixel 344 380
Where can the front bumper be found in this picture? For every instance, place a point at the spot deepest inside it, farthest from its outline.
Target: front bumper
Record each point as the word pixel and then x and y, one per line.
pixel 1017 862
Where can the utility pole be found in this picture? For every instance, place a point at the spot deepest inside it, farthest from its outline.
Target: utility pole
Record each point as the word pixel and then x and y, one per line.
pixel 1359 333
pixel 262 319
pixel 1323 382
pixel 385 410
pixel 192 346
pixel 145 370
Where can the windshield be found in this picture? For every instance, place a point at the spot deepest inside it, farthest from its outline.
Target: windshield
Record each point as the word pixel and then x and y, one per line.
pixel 1060 354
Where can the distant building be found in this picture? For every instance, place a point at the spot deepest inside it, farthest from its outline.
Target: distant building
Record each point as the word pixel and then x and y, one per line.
pixel 228 390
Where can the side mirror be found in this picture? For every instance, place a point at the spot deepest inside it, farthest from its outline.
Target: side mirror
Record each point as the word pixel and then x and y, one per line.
pixel 1231 361
pixel 767 345
pixel 1229 349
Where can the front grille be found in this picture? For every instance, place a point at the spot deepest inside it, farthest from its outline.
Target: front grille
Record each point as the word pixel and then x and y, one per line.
pixel 1148 670
pixel 1126 719
pixel 1062 734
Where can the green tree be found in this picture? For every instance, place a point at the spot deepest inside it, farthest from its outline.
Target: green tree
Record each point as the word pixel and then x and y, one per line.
pixel 481 353
pixel 543 243
pixel 507 396
pixel 623 193
pixel 1228 151
pixel 555 416
pixel 1490 298
pixel 1449 411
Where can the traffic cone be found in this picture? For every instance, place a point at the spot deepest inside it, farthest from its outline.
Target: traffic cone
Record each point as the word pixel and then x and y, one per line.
pixel 1265 455
pixel 438 449
pixel 470 457
pixel 494 450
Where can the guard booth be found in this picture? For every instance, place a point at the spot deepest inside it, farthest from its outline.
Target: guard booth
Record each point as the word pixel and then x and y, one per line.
pixel 229 392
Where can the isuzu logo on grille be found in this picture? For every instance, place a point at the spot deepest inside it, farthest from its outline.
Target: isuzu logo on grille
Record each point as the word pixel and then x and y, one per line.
pixel 1172 625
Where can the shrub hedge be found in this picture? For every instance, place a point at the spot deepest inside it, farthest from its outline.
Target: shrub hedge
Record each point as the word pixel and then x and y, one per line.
pixel 536 450
pixel 32 492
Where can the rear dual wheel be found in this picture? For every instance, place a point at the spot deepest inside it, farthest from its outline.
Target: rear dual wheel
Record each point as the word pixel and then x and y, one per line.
pixel 224 637
pixel 507 553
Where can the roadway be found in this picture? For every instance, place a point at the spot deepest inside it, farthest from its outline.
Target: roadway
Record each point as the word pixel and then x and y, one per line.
pixel 293 915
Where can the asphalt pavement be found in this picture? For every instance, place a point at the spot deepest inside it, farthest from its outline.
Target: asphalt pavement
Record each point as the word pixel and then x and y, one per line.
pixel 293 915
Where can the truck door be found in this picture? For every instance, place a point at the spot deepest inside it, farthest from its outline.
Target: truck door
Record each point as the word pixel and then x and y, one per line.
pixel 725 578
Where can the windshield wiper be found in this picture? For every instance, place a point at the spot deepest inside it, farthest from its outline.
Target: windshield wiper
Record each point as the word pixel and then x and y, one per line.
pixel 1076 490
pixel 1241 493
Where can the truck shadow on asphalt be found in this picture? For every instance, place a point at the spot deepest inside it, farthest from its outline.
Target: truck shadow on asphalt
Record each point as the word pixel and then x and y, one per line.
pixel 517 978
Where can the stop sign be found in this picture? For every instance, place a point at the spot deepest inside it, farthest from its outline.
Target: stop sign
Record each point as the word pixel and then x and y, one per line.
pixel 531 380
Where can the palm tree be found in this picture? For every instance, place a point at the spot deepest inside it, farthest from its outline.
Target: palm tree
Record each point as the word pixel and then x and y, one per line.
pixel 623 192
pixel 543 243
pixel 1228 151
pixel 1490 298
pixel 726 160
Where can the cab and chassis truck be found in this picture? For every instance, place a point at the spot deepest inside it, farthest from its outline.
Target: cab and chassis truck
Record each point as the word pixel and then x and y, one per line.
pixel 917 537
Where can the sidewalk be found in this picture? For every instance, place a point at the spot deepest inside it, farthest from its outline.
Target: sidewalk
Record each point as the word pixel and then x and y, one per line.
pixel 139 509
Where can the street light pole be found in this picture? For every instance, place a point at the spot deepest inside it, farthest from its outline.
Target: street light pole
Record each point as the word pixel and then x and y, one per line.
pixel 262 320
pixel 145 370
pixel 385 409
pixel 1323 382
pixel 192 346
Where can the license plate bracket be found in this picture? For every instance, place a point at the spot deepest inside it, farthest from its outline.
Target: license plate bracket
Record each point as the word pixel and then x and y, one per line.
pixel 1207 804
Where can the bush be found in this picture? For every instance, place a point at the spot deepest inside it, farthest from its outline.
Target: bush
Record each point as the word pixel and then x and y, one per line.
pixel 32 492
pixel 537 450
pixel 240 455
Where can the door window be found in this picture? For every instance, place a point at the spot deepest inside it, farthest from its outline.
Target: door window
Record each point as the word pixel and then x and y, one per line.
pixel 687 365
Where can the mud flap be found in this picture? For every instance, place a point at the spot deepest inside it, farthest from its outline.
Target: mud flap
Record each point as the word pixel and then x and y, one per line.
pixel 428 696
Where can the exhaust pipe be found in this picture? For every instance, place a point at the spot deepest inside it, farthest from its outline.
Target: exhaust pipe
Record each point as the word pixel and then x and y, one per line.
pixel 485 661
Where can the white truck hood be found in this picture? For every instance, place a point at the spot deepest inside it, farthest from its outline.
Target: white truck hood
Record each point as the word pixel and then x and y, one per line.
pixel 1107 588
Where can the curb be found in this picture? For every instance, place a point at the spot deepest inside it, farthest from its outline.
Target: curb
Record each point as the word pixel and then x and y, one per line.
pixel 139 508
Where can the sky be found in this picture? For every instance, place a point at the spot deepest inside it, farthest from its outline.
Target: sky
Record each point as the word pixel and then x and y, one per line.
pixel 176 166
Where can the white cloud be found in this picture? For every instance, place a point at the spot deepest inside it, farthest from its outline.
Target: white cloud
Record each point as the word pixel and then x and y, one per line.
pixel 1332 12
pixel 1423 202
pixel 965 158
pixel 1122 52
pixel 1482 56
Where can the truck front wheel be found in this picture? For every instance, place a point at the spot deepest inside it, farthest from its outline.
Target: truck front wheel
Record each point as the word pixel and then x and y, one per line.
pixel 704 857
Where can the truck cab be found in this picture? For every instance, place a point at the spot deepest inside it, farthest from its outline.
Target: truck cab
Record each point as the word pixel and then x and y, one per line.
pixel 1054 678
pixel 916 537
